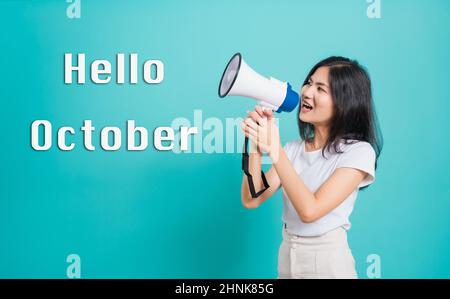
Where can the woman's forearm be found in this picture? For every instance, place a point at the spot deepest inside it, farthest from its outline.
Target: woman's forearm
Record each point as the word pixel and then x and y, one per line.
pixel 300 196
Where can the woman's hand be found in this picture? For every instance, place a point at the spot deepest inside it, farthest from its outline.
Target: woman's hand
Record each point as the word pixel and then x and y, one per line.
pixel 261 129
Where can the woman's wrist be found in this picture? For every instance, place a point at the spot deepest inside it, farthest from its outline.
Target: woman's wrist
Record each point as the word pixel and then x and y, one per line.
pixel 274 154
pixel 256 156
pixel 253 150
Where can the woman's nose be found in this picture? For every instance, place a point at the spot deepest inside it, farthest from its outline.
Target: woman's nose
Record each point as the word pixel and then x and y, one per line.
pixel 307 92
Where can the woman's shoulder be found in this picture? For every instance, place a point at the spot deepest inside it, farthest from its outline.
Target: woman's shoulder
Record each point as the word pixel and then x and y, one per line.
pixel 359 155
pixel 354 145
pixel 344 146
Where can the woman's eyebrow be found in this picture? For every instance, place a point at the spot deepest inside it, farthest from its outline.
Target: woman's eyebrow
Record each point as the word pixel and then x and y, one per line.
pixel 318 83
pixel 322 84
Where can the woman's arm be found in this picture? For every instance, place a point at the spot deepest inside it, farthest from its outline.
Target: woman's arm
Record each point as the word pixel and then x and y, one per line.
pixel 255 158
pixel 272 179
pixel 312 206
pixel 309 206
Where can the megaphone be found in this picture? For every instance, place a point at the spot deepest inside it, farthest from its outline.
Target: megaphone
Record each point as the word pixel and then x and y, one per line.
pixel 238 79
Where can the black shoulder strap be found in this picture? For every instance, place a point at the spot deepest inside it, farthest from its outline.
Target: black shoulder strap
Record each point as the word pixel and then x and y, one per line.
pixel 249 176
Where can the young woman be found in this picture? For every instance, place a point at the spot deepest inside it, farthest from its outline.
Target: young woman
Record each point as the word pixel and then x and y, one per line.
pixel 322 172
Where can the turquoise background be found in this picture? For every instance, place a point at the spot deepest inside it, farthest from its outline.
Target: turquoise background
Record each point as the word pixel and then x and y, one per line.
pixel 155 214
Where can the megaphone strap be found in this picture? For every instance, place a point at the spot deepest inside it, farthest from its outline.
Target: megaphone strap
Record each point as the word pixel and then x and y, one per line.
pixel 245 164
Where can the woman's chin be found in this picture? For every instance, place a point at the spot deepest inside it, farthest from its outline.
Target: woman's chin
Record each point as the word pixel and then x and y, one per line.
pixel 305 119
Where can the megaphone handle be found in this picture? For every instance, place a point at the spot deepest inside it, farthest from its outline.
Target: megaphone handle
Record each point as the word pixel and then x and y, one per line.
pixel 245 164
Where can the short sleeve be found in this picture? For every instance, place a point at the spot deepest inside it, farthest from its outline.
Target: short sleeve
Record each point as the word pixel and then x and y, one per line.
pixel 361 156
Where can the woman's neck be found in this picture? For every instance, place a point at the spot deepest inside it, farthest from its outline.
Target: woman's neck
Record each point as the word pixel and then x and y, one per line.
pixel 320 138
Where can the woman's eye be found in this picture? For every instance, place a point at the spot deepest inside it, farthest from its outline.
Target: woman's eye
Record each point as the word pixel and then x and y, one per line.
pixel 321 89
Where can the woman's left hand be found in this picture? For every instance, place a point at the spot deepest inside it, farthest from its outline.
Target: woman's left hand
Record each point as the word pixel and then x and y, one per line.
pixel 261 128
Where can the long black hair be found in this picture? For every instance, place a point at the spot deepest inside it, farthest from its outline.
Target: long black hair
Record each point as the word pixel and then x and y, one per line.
pixel 354 116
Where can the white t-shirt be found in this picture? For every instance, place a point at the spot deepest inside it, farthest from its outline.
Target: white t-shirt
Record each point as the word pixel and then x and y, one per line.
pixel 314 170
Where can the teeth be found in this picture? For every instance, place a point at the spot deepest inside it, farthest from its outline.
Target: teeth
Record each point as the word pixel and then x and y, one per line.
pixel 307 106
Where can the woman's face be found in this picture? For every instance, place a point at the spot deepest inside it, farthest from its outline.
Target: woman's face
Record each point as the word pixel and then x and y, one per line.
pixel 316 96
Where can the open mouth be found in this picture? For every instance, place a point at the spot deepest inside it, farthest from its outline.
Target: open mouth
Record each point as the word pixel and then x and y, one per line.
pixel 307 106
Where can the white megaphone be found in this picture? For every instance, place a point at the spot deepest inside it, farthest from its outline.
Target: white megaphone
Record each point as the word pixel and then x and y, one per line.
pixel 239 79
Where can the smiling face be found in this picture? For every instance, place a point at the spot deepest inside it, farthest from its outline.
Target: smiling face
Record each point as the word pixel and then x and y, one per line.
pixel 316 100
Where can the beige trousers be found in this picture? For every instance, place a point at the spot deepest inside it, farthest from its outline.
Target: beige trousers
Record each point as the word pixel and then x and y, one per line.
pixel 325 256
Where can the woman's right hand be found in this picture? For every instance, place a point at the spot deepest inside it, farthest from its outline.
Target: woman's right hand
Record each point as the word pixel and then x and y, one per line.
pixel 254 116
